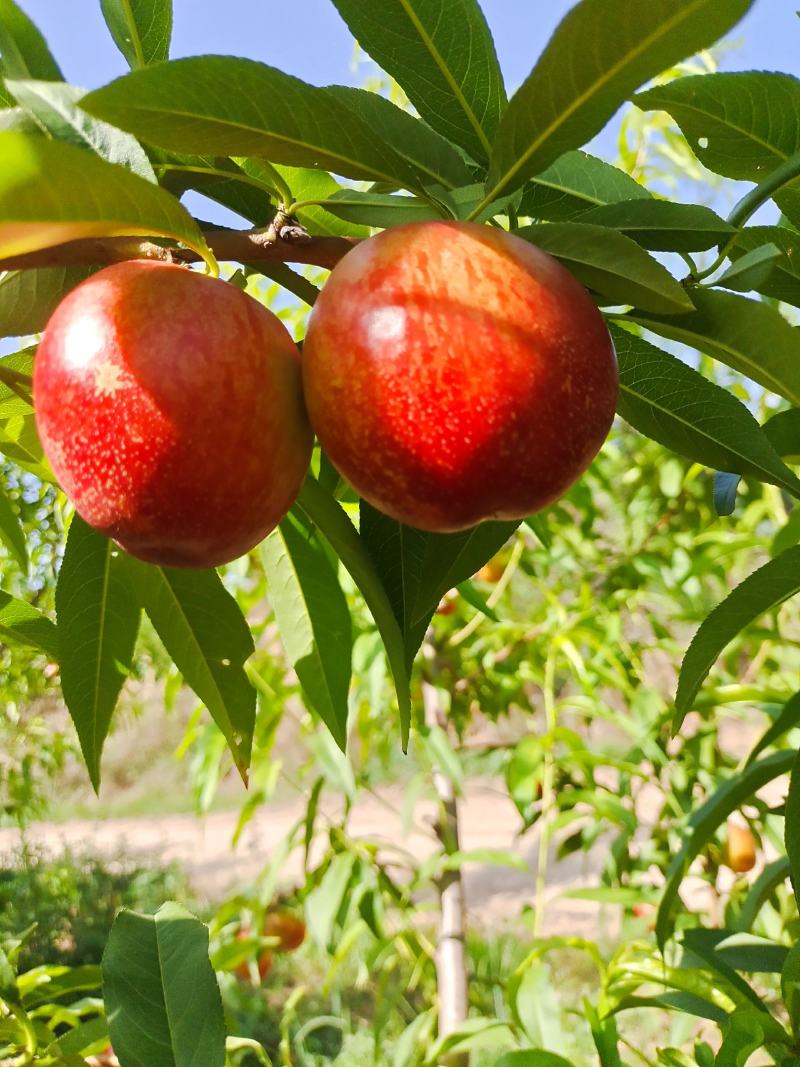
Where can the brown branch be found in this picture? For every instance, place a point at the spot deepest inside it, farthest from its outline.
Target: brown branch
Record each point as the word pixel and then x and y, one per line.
pixel 246 246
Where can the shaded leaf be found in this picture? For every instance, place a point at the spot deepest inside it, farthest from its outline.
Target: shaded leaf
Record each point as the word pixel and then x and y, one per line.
pixel 792 825
pixel 25 625
pixel 744 334
pixel 787 720
pixel 327 514
pixel 782 278
pixel 432 157
pixel 54 105
pixel 600 53
pixel 705 822
pixel 222 105
pixel 773 875
pixel 726 486
pixel 577 183
pixel 751 271
pixel 11 532
pixel 52 192
pixel 668 401
pixel 441 52
pixel 23 50
pixel 141 28
pixel 28 297
pixel 161 996
pixel 740 125
pixel 205 633
pixel 662 225
pixel 611 264
pixel 767 588
pixel 313 619
pixel 98 619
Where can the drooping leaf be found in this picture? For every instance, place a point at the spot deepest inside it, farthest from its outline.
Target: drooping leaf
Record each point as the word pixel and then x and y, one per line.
pixel 323 902
pixel 752 271
pixel 52 192
pixel 744 334
pixel 672 403
pixel 141 28
pixel 792 825
pixel 783 431
pixel 162 1000
pixel 773 875
pixel 726 486
pixel 23 50
pixel 432 157
pixel 441 52
pixel 313 619
pixel 28 297
pixel 705 822
pixel 98 619
pixel 787 720
pixel 25 625
pixel 54 105
pixel 600 53
pixel 662 225
pixel 11 532
pixel 611 264
pixel 222 105
pixel 203 629
pixel 782 280
pixel 765 589
pixel 740 125
pixel 327 515
pixel 576 183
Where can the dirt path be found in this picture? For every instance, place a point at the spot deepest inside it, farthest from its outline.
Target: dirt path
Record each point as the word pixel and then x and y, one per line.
pixel 495 894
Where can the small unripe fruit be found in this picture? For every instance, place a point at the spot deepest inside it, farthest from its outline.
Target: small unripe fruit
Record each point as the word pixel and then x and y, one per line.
pixel 170 407
pixel 454 373
pixel 289 929
pixel 739 850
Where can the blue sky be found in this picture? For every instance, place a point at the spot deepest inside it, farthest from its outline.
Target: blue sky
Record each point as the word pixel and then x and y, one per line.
pixel 320 47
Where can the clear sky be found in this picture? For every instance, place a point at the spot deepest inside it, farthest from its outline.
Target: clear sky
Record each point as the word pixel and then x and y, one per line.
pixel 317 46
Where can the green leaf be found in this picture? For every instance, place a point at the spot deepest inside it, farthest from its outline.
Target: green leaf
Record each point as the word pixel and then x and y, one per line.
pixel 379 209
pixel 441 52
pixel 141 28
pixel 313 619
pixel 740 125
pixel 25 625
pixel 23 50
pixel 98 619
pixel 327 514
pixel 472 1033
pixel 52 192
pixel 783 432
pixel 83 1039
pixel 668 401
pixel 11 532
pixel 323 903
pixel 611 264
pixel 19 442
pixel 600 53
pixel 54 105
pixel 576 183
pixel 744 334
pixel 792 825
pixel 477 600
pixel 432 158
pixel 773 875
pixel 29 297
pixel 745 1032
pixel 532 1057
pixel 781 280
pixel 663 226
pixel 705 822
pixel 765 589
pixel 787 720
pixel 790 988
pixel 161 996
pixel 205 633
pixel 752 271
pixel 221 105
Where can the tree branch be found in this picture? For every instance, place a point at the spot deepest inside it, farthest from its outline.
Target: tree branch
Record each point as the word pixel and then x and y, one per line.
pixel 245 246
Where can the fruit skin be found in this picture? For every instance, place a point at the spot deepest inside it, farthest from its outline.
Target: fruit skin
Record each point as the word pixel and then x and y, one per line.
pixel 739 850
pixel 454 373
pixel 288 928
pixel 170 407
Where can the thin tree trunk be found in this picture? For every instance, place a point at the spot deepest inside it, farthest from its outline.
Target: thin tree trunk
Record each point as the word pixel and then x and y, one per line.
pixel 451 961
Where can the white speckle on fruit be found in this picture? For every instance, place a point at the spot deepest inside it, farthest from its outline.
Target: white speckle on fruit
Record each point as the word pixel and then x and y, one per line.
pixel 108 379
